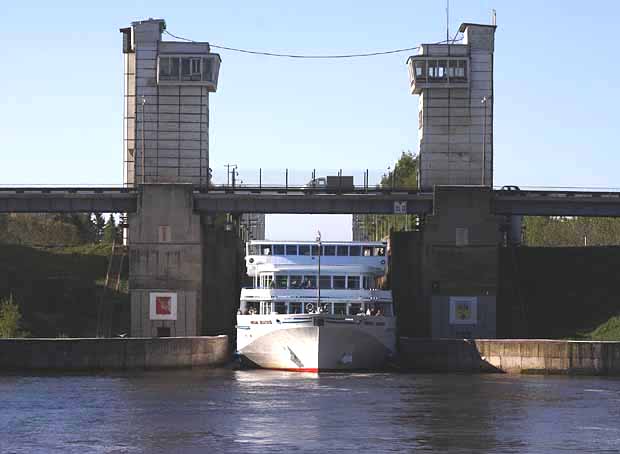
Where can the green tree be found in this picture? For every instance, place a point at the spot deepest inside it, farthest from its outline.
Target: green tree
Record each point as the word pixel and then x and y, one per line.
pixel 10 319
pixel 99 222
pixel 85 227
pixel 545 231
pixel 40 230
pixel 109 230
pixel 404 175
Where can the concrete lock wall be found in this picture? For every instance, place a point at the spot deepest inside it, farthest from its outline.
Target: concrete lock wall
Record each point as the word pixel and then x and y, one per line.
pixel 109 353
pixel 512 356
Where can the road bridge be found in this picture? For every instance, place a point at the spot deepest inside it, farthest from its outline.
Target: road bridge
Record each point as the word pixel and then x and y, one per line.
pixel 298 201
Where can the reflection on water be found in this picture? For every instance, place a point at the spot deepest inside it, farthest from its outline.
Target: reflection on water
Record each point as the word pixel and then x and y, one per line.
pixel 265 411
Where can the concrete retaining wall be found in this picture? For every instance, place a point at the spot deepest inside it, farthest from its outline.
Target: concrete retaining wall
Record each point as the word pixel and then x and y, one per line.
pixel 113 353
pixel 512 356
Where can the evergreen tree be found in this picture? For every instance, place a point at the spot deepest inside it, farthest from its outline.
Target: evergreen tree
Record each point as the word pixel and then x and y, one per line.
pixel 99 222
pixel 109 230
pixel 404 175
pixel 10 319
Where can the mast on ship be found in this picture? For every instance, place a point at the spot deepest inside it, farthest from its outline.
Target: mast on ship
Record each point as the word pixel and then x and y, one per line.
pixel 318 279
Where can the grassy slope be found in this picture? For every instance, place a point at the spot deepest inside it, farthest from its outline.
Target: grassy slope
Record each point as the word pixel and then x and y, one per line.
pixel 57 288
pixel 607 331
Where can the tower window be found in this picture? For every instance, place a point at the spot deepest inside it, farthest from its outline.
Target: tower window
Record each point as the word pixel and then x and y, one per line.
pixel 420 70
pixel 168 68
pixel 190 69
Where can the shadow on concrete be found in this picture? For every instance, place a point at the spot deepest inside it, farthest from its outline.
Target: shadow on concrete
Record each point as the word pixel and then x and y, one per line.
pixel 442 355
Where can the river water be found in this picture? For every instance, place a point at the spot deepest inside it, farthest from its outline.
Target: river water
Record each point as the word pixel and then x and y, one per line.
pixel 224 410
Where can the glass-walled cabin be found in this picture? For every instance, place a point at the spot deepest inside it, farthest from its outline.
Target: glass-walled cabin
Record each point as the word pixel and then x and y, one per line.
pixel 328 250
pixel 437 72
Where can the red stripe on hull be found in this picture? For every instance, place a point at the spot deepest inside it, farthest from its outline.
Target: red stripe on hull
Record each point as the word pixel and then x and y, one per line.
pixel 293 369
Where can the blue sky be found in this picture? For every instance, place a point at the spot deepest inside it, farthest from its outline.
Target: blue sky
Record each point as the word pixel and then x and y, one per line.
pixel 556 94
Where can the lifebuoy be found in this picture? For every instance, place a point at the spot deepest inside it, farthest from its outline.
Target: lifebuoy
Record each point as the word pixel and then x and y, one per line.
pixel 309 307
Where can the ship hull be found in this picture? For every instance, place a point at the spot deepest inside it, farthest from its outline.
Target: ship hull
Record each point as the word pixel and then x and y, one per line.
pixel 336 345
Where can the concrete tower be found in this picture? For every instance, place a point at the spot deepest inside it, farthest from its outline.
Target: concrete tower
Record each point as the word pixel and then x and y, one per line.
pixel 166 154
pixel 455 111
pixel 166 114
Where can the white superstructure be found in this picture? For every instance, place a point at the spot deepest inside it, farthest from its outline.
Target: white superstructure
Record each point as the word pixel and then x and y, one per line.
pixel 309 311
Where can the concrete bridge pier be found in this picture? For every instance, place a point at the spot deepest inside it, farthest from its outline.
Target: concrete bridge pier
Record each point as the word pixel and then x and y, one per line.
pixel 445 278
pixel 166 263
pixel 460 259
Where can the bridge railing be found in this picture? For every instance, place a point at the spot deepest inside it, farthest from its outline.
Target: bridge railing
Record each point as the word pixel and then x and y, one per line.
pixel 320 180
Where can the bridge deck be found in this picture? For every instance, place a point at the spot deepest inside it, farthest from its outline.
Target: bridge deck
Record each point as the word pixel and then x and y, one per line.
pixel 298 200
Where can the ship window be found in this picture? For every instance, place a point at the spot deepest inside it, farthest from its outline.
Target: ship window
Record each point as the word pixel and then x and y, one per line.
pixel 379 251
pixel 340 308
pixel 304 249
pixel 353 282
pixel 296 282
pixel 266 307
pixel 339 282
pixel 355 251
pixel 355 309
pixel 168 68
pixel 254 249
pixel 266 281
pixel 326 282
pixel 367 251
pixel 329 250
pixel 294 308
pixel 366 282
pixel 309 282
pixel 280 308
pixel 253 307
pixel 266 250
pixel 281 281
pixel 278 249
pixel 291 249
pixel 342 251
pixel 315 250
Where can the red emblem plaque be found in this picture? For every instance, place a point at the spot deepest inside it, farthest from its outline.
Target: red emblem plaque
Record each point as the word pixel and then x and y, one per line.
pixel 163 305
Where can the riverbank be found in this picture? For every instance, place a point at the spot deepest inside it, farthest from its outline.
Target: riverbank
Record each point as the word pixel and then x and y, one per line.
pixel 521 356
pixel 113 353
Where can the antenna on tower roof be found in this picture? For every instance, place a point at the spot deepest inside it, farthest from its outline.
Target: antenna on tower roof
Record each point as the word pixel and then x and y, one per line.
pixel 448 22
pixel 493 17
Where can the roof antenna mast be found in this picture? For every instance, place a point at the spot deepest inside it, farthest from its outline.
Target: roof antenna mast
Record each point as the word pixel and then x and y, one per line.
pixel 447 21
pixel 493 17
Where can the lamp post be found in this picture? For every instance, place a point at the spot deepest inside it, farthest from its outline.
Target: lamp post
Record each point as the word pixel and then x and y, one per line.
pixel 228 167
pixel 142 137
pixel 318 279
pixel 484 102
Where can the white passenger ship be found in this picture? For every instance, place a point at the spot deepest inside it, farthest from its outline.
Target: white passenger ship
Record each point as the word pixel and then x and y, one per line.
pixel 311 312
